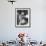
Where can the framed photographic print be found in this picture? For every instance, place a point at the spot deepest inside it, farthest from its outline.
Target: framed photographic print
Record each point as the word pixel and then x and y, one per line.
pixel 23 17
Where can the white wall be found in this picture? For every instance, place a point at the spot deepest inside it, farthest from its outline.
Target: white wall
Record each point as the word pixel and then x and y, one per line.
pixel 8 31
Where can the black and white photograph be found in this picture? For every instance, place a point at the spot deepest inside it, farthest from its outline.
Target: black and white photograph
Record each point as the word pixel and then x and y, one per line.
pixel 22 17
